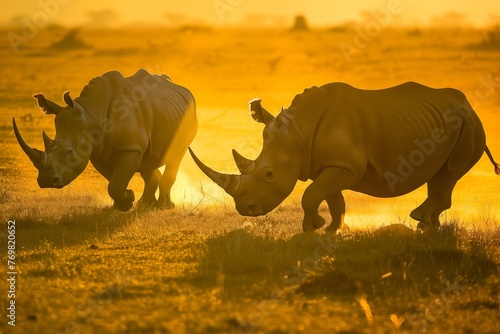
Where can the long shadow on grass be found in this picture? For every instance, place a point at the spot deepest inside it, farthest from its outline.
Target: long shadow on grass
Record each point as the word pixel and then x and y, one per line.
pixel 391 261
pixel 381 263
pixel 245 260
pixel 71 229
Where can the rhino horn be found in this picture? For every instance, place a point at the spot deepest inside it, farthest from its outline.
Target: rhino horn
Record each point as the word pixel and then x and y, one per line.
pixel 48 143
pixel 38 157
pixel 244 165
pixel 228 182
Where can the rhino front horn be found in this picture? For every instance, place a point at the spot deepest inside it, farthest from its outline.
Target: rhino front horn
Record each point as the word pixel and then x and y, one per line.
pixel 49 143
pixel 38 157
pixel 228 182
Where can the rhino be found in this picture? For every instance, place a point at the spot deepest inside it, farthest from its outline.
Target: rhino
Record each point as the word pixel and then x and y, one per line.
pixel 122 125
pixel 383 143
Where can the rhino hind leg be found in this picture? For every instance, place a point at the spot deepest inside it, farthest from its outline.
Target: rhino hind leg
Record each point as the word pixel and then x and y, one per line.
pixel 467 151
pixel 151 181
pixel 439 192
pixel 336 204
pixel 167 180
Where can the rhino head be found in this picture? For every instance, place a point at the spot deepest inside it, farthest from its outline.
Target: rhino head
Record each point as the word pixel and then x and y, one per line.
pixel 66 156
pixel 265 182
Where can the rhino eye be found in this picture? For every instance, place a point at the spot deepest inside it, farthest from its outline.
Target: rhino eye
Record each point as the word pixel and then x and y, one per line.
pixel 270 175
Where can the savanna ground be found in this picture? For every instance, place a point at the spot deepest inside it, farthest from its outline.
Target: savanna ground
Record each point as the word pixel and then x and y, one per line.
pixel 202 268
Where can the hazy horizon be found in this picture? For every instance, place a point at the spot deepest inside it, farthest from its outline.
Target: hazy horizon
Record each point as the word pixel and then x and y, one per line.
pixel 109 13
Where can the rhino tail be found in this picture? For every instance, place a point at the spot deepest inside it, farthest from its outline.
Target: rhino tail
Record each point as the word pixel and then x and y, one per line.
pixel 490 156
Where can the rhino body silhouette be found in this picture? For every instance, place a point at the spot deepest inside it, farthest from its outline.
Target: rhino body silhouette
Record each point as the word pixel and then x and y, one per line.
pixel 122 126
pixel 384 143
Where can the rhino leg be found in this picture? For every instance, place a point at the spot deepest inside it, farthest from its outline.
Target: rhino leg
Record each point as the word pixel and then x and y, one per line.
pixel 439 191
pixel 467 151
pixel 151 180
pixel 438 199
pixel 336 204
pixel 126 166
pixel 167 180
pixel 327 186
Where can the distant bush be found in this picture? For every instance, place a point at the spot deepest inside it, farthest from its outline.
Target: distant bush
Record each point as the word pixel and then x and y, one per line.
pixel 414 32
pixel 491 41
pixel 194 28
pixel 340 28
pixel 300 23
pixel 493 36
pixel 70 41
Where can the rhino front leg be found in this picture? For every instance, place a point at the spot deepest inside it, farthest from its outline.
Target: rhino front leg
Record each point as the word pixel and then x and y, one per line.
pixel 327 186
pixel 126 166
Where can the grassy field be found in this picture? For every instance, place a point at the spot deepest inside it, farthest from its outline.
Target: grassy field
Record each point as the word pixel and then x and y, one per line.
pixel 202 268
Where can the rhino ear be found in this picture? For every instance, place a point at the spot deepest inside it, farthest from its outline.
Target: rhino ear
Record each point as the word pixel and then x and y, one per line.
pixel 67 99
pixel 258 113
pixel 48 107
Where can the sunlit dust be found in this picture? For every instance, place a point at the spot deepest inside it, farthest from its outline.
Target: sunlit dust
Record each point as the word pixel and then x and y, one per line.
pixel 201 267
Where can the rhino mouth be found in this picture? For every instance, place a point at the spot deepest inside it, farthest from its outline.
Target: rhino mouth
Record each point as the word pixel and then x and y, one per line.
pixel 250 209
pixel 56 182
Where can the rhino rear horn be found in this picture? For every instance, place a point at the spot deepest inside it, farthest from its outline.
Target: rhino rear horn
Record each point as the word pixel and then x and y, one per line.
pixel 48 143
pixel 244 165
pixel 228 182
pixel 258 112
pixel 47 106
pixel 38 157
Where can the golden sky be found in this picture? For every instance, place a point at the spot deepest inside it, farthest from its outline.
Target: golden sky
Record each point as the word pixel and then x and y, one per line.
pixel 222 12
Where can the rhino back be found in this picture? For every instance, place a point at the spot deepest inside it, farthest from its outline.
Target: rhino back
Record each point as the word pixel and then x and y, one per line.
pixel 145 113
pixel 368 131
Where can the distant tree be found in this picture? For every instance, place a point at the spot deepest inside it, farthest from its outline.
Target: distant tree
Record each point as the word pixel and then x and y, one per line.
pixel 70 41
pixel 492 40
pixel 300 23
pixel 494 35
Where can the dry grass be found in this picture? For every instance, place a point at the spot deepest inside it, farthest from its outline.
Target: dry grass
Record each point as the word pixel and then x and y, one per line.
pixel 213 271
